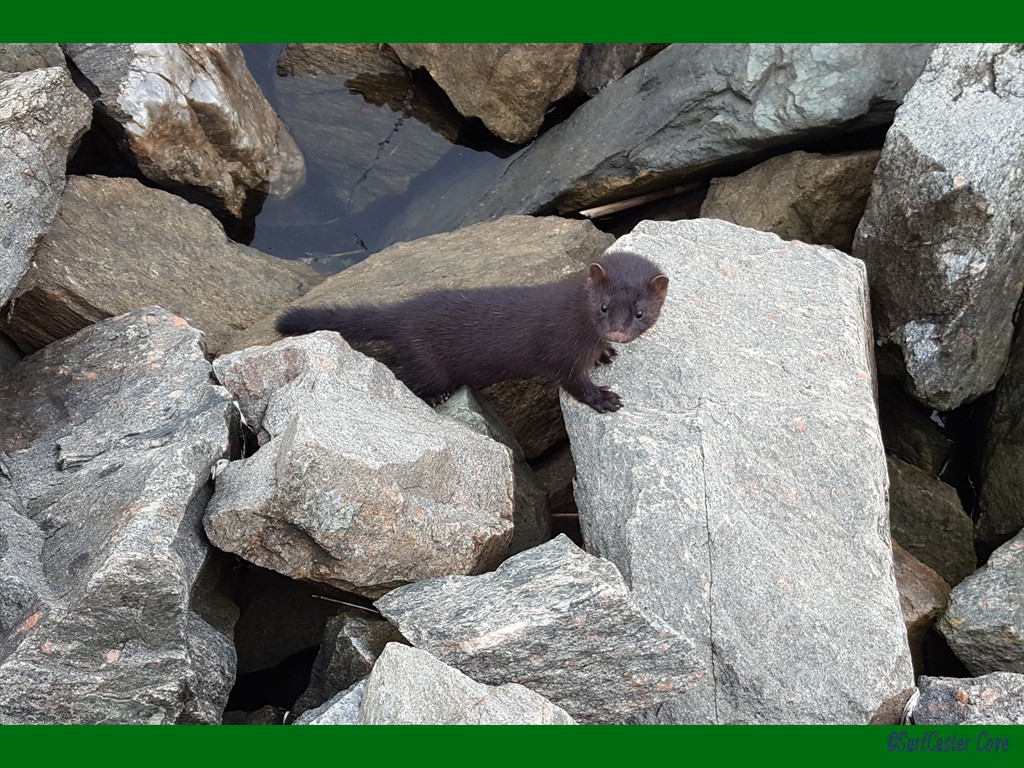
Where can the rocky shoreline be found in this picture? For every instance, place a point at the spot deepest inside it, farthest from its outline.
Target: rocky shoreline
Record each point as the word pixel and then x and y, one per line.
pixel 809 509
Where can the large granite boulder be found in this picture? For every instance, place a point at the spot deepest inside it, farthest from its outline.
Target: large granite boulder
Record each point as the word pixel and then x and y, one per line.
pixel 798 196
pixel 110 437
pixel 509 86
pixel 984 623
pixel 194 121
pixel 117 245
pixel 941 234
pixel 693 109
pixel 357 483
pixel 928 521
pixel 558 621
pixel 741 490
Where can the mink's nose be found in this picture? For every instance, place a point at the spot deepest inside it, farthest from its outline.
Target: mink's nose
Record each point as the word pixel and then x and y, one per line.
pixel 619 337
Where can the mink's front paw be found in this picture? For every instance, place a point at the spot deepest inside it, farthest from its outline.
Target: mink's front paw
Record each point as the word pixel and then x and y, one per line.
pixel 607 355
pixel 437 399
pixel 603 400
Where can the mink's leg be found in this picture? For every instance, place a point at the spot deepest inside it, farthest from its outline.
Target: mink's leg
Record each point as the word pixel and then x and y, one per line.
pixel 425 381
pixel 607 355
pixel 601 399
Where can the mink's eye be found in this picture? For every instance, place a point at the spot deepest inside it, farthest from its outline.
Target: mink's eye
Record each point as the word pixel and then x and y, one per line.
pixel 639 314
pixel 604 307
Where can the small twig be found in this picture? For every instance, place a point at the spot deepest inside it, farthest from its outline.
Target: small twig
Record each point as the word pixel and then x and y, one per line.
pixel 621 205
pixel 342 602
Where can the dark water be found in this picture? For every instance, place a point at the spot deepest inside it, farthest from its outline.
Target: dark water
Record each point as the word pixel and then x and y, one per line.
pixel 377 173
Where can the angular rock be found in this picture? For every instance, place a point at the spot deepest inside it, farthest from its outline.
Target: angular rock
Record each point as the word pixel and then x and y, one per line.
pixel 351 645
pixel 993 699
pixel 741 490
pixel 24 57
pixel 692 109
pixel 42 117
pixel 409 686
pixel 1002 462
pixel 509 86
pixel 342 709
pixel 941 234
pixel 604 63
pixel 358 483
pixel 117 246
pixel 367 131
pixel 984 623
pixel 516 250
pixel 923 598
pixel 530 516
pixel 194 121
pixel 110 437
pixel 928 521
pixel 798 196
pixel 557 621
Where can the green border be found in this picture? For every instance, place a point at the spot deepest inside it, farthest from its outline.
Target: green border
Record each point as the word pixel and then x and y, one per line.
pixel 512 746
pixel 526 21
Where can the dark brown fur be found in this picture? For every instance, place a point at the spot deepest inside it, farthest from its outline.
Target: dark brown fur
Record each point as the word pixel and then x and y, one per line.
pixel 444 339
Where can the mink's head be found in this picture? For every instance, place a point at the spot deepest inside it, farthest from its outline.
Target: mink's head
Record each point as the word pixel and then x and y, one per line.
pixel 626 292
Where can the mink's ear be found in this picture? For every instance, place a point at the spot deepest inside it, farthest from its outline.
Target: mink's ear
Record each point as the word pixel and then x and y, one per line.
pixel 658 286
pixel 598 275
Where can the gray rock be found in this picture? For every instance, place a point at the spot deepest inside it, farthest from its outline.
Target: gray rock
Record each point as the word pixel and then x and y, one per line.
pixel 509 86
pixel 411 687
pixel 516 250
pixel 110 437
pixel 351 645
pixel 994 699
pixel 923 598
pixel 556 620
pixel 798 196
pixel 530 516
pixel 928 521
pixel 984 623
pixel 194 121
pixel 941 234
pixel 1002 461
pixel 24 57
pixel 604 63
pixel 42 117
pixel 342 709
pixel 366 130
pixel 741 490
pixel 358 484
pixel 692 109
pixel 117 246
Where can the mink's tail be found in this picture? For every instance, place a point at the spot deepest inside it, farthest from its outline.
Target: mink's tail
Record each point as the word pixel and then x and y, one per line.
pixel 355 324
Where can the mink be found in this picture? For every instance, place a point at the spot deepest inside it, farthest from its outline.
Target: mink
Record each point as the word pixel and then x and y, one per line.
pixel 444 339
